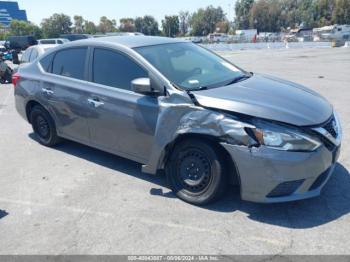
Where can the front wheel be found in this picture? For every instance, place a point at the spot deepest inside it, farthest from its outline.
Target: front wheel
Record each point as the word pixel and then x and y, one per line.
pixel 196 173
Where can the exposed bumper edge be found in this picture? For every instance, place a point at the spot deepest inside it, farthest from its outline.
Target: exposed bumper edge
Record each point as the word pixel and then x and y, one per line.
pixel 262 169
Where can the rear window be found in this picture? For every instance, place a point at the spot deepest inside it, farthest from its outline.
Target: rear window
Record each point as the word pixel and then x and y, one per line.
pixel 26 56
pixel 46 62
pixel 47 42
pixel 70 63
pixel 34 55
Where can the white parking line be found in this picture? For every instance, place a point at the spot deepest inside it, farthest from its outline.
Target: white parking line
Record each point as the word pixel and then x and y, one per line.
pixel 5 101
pixel 32 205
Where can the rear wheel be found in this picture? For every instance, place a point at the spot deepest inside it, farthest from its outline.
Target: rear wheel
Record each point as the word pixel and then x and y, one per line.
pixel 196 173
pixel 44 126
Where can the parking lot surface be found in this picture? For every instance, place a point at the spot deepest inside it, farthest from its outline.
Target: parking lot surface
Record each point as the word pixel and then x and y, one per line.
pixel 77 200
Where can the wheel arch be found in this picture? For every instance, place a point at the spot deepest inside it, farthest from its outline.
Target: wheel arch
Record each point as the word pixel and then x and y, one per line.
pixel 231 167
pixel 31 104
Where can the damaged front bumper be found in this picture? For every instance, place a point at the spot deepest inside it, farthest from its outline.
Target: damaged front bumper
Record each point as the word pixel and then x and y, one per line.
pixel 271 176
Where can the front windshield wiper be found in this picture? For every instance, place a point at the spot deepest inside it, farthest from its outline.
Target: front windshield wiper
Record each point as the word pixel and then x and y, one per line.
pixel 238 79
pixel 197 88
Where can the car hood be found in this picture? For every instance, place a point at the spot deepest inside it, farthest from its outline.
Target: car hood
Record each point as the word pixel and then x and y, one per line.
pixel 269 98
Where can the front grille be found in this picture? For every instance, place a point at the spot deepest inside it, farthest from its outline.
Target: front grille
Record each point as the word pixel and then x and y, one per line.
pixel 320 180
pixel 286 188
pixel 330 126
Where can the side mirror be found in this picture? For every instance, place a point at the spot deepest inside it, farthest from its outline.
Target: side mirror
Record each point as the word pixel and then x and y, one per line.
pixel 143 86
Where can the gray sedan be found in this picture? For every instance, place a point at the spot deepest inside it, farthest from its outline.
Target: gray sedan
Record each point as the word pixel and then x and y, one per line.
pixel 175 106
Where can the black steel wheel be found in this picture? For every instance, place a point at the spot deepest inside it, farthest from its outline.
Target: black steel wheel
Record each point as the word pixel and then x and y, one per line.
pixel 43 126
pixel 195 172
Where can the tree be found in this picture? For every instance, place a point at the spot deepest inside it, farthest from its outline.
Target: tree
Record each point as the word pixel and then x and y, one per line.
pixel 242 9
pixel 264 16
pixel 78 24
pixel 324 11
pixel 24 28
pixel 341 12
pixel 37 32
pixel 90 27
pixel 204 21
pixel 184 18
pixel 147 25
pixel 223 27
pixel 127 25
pixel 56 25
pixel 171 26
pixel 106 25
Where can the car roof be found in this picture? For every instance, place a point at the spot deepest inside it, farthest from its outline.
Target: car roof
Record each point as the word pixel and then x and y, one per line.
pixel 42 47
pixel 130 41
pixel 52 39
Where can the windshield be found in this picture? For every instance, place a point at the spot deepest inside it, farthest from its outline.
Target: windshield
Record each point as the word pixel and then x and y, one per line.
pixel 189 66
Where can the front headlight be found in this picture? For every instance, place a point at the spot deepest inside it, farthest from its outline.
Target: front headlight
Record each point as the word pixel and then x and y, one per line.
pixel 283 138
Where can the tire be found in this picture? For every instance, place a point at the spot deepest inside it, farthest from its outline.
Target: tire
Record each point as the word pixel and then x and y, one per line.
pixel 44 127
pixel 196 173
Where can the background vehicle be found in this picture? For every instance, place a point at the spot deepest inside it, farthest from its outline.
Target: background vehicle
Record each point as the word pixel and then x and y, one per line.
pixel 20 42
pixel 217 37
pixel 75 37
pixel 332 32
pixel 53 41
pixel 5 71
pixel 34 52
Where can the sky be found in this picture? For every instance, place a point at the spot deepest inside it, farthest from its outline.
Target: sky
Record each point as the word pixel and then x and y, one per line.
pixel 116 9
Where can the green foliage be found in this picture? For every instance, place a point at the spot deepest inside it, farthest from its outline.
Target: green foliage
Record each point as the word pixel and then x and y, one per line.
pixel 341 12
pixel 276 15
pixel 78 24
pixel 171 26
pixel 147 25
pixel 107 26
pixel 90 27
pixel 223 27
pixel 264 15
pixel 204 21
pixel 127 25
pixel 242 9
pixel 184 20
pixel 24 28
pixel 55 25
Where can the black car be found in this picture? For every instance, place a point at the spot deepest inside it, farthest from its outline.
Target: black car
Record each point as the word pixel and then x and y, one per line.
pixel 20 42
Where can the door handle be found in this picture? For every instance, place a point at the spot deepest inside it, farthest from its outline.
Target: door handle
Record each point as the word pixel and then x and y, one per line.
pixel 47 91
pixel 95 103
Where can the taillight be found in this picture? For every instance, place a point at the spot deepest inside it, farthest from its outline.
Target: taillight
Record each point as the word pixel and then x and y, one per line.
pixel 15 78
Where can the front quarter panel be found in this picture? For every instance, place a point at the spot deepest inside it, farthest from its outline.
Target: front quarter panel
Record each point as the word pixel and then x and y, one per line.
pixel 178 116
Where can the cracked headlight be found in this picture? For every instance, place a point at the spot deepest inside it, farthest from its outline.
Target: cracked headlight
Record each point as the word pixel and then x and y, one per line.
pixel 284 138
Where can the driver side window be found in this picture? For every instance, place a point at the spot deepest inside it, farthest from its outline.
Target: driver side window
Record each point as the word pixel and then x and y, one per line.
pixel 113 69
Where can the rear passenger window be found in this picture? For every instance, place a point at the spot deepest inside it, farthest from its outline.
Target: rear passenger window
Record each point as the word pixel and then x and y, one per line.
pixel 70 63
pixel 48 42
pixel 115 70
pixel 33 55
pixel 46 62
pixel 26 55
